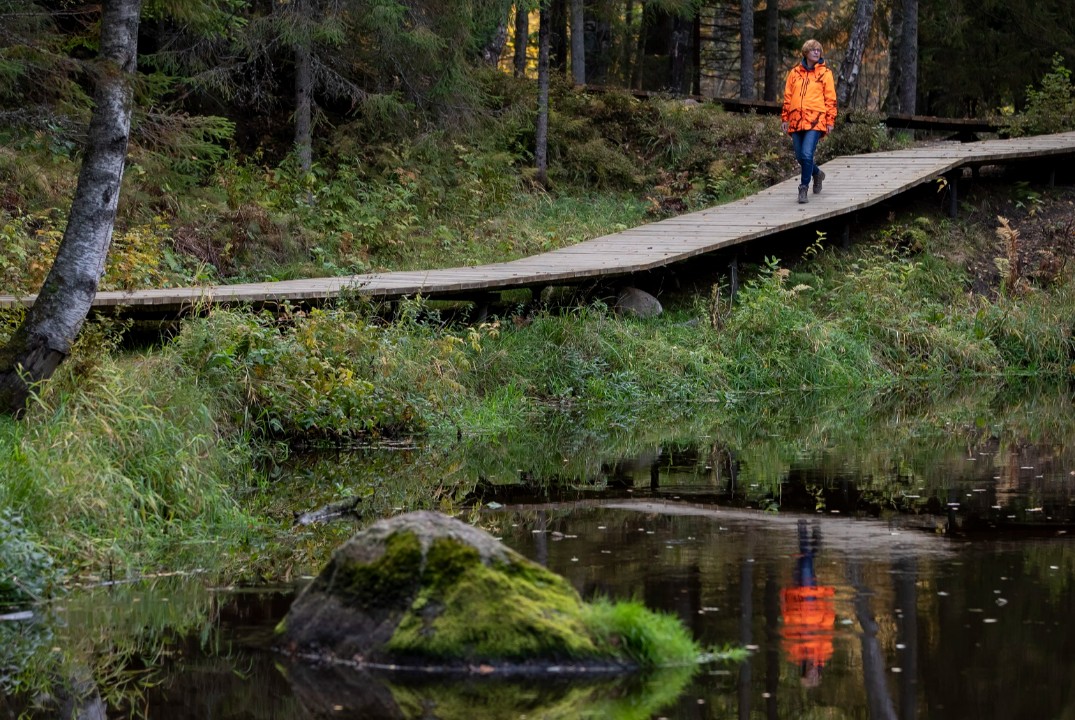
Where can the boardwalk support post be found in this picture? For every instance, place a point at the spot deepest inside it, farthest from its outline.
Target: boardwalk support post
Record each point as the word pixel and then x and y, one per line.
pixel 483 303
pixel 953 193
pixel 845 236
pixel 733 270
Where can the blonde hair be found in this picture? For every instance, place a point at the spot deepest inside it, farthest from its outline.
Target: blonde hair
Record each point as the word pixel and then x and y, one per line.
pixel 810 45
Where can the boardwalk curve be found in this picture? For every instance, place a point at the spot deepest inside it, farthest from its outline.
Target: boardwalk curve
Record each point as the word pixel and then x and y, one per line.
pixel 852 183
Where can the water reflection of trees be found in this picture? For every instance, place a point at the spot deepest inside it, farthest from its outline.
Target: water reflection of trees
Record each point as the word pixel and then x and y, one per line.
pixel 997 452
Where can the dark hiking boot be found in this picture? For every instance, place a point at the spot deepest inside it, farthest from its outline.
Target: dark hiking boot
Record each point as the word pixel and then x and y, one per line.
pixel 818 179
pixel 802 193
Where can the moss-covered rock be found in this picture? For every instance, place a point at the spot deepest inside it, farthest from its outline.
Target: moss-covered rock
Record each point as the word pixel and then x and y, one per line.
pixel 425 589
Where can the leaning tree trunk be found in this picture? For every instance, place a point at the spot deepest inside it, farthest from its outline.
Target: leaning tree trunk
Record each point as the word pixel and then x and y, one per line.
pixel 45 337
pixel 851 67
pixel 772 49
pixel 746 50
pixel 541 131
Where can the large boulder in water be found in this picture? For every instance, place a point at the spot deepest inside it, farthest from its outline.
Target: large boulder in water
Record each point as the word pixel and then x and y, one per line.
pixel 425 589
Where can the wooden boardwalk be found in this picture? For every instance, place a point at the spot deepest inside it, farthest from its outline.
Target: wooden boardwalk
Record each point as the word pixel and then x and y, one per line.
pixel 853 183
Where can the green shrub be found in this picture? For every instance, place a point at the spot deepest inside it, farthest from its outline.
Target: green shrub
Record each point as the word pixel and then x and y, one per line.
pixel 332 373
pixel 1050 109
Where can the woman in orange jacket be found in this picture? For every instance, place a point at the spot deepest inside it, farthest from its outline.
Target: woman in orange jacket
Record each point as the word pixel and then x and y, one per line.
pixel 809 111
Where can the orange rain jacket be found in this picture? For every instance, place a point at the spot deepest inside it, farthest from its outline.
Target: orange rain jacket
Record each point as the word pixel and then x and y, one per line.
pixel 809 98
pixel 809 616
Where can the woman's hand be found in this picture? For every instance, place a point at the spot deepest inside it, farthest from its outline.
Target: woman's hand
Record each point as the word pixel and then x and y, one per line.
pixel 783 127
pixel 828 126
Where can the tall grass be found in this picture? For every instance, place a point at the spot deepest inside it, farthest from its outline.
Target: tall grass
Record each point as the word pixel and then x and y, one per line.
pixel 648 638
pixel 127 470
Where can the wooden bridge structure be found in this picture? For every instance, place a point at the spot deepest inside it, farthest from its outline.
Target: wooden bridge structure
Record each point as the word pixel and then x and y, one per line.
pixel 853 183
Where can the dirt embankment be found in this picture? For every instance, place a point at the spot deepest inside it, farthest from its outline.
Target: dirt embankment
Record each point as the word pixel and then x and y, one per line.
pixel 1032 240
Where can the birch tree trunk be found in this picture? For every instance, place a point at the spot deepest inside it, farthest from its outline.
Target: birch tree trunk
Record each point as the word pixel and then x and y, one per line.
pixel 45 337
pixel 541 131
pixel 851 67
pixel 746 50
pixel 495 47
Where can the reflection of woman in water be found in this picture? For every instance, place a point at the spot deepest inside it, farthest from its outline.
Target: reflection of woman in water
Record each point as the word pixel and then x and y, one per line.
pixel 809 612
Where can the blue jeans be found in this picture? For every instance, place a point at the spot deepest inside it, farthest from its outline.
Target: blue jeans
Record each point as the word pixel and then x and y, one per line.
pixel 805 142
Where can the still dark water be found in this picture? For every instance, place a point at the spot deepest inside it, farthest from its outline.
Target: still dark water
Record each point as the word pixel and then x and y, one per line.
pixel 899 573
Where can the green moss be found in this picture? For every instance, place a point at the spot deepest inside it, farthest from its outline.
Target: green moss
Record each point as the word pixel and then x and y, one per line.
pixel 390 580
pixel 447 562
pixel 537 614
